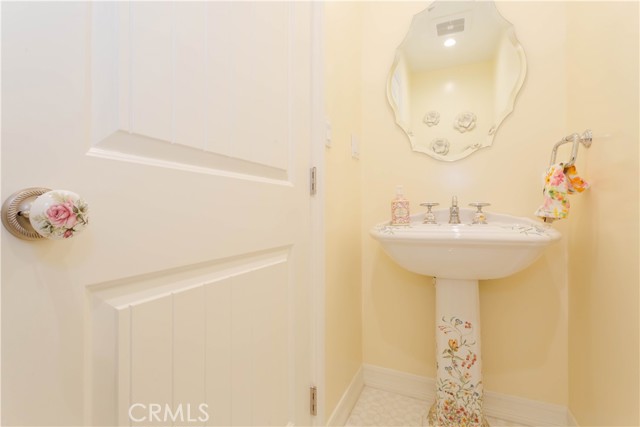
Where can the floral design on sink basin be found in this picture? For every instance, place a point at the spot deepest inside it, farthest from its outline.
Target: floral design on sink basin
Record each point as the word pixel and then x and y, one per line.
pixel 530 229
pixel 504 246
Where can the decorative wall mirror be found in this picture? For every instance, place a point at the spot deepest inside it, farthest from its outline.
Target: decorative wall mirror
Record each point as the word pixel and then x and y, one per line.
pixel 455 78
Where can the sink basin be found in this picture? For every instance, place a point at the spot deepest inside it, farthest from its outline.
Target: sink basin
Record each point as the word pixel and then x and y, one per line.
pixel 504 246
pixel 458 256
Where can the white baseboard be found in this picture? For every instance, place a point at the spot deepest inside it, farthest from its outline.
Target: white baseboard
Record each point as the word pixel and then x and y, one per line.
pixel 525 411
pixel 415 386
pixel 509 408
pixel 340 415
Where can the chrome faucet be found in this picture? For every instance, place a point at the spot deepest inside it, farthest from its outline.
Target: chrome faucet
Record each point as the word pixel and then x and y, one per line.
pixel 454 211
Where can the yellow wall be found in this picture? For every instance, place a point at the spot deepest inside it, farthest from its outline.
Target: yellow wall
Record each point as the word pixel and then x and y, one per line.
pixel 563 331
pixel 343 337
pixel 603 90
pixel 524 317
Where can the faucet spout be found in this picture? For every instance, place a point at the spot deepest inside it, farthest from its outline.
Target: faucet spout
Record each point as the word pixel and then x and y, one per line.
pixel 454 211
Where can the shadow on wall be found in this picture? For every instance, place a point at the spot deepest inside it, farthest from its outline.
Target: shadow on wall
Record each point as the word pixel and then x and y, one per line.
pixel 528 331
pixel 406 302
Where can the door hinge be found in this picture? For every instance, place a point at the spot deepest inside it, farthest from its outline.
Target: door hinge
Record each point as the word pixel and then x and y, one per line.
pixel 313 400
pixel 314 181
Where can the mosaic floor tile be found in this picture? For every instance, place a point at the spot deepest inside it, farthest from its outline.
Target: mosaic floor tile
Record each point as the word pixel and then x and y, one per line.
pixel 377 408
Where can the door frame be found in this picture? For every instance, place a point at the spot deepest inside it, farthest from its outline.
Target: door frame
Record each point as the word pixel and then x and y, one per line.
pixel 318 135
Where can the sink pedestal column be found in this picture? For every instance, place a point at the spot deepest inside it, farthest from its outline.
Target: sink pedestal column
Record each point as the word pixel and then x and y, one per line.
pixel 459 390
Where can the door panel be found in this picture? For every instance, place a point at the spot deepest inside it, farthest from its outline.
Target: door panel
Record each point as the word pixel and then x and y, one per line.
pixel 178 84
pixel 186 128
pixel 216 334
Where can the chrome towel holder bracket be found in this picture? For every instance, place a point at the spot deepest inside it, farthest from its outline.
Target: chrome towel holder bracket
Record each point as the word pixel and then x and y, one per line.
pixel 585 139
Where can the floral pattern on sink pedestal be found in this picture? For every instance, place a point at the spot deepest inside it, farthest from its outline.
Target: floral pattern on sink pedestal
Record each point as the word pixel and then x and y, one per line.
pixel 459 388
pixel 459 391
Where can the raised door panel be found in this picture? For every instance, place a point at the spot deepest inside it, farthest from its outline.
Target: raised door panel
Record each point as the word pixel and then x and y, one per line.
pixel 190 74
pixel 151 361
pixel 198 77
pixel 212 346
pixel 152 59
pixel 190 337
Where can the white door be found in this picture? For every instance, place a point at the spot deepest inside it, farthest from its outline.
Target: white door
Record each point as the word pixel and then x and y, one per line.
pixel 186 127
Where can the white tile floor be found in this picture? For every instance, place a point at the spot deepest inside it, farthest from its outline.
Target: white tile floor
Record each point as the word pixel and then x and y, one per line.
pixel 382 408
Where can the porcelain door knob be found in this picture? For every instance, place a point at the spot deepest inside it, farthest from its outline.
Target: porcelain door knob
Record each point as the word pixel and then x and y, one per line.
pixel 37 213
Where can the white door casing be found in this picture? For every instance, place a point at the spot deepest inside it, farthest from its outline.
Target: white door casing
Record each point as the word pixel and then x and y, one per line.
pixel 186 127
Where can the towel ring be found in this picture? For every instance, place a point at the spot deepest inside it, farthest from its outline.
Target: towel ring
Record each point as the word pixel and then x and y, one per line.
pixel 585 139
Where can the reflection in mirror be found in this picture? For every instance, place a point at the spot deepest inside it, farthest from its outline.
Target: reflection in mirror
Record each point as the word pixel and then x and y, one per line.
pixel 455 78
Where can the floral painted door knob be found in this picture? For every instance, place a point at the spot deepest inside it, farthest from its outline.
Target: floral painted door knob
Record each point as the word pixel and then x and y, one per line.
pixel 36 213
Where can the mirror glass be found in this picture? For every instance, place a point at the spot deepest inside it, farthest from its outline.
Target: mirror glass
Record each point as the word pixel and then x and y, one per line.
pixel 455 78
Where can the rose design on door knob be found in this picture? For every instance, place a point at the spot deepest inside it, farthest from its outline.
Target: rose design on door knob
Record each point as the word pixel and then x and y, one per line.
pixel 59 214
pixel 36 213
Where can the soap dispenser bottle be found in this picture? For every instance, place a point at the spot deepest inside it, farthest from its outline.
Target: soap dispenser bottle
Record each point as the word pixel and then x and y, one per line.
pixel 400 208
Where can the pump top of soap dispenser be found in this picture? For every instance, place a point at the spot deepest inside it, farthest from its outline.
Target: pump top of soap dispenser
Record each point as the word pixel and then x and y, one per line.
pixel 399 191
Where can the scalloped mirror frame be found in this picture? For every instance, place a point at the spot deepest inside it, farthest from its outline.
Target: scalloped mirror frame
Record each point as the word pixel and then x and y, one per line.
pixel 428 139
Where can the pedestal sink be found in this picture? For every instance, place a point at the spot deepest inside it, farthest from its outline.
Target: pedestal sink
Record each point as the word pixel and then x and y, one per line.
pixel 458 256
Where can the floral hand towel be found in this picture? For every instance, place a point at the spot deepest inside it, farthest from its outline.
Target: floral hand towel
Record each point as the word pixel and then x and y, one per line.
pixel 559 182
pixel 576 184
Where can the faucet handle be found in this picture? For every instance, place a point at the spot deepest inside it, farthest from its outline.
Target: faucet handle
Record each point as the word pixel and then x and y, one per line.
pixel 479 217
pixel 429 217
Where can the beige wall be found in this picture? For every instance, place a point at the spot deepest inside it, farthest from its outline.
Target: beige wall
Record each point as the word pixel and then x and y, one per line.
pixel 524 317
pixel 603 257
pixel 343 338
